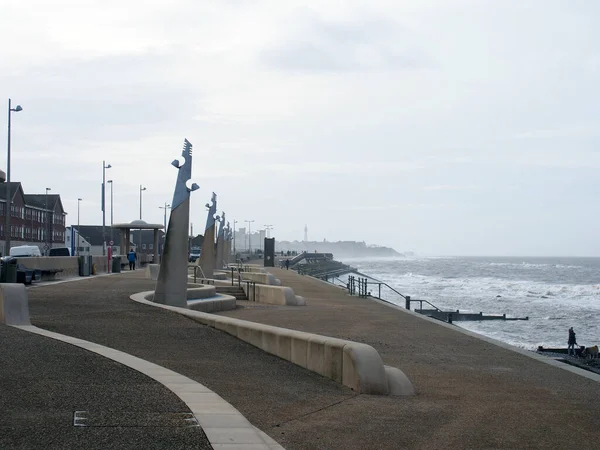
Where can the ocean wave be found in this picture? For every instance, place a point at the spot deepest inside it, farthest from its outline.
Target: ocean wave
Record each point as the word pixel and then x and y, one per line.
pixel 527 265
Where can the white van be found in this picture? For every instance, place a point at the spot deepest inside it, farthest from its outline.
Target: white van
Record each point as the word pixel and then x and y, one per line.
pixel 25 251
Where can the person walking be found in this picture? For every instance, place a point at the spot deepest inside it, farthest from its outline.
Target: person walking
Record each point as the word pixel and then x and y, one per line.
pixel 572 342
pixel 131 257
pixel 287 264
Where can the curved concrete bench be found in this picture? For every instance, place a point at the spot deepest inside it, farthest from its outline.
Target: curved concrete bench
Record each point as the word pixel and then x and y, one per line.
pixel 203 291
pixel 220 302
pixel 273 295
pixel 261 277
pixel 355 365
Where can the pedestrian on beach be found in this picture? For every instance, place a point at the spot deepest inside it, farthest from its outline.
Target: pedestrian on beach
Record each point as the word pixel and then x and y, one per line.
pixel 131 257
pixel 287 264
pixel 572 342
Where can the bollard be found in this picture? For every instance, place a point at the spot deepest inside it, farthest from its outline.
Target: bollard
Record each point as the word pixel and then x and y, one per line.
pixel 407 305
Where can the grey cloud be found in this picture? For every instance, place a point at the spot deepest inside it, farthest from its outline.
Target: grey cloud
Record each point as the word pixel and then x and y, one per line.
pixel 104 97
pixel 335 47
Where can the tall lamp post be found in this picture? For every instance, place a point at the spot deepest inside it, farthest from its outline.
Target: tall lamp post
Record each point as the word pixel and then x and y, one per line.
pixel 47 225
pixel 111 209
pixel 141 190
pixel 78 207
pixel 104 167
pixel 167 206
pixel 234 251
pixel 8 203
pixel 249 236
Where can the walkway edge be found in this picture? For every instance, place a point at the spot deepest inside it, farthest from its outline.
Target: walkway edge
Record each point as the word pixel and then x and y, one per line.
pixel 224 426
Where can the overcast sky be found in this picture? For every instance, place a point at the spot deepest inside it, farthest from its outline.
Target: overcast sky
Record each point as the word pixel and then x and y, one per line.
pixel 458 127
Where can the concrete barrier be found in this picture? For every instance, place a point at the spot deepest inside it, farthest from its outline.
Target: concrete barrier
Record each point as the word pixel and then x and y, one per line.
pixel 273 295
pixel 353 364
pixel 14 304
pixel 68 264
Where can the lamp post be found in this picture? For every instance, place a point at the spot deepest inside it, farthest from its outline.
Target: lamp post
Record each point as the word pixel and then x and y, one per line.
pixel 167 206
pixel 104 167
pixel 78 206
pixel 249 236
pixel 234 251
pixel 8 190
pixel 47 225
pixel 141 190
pixel 111 209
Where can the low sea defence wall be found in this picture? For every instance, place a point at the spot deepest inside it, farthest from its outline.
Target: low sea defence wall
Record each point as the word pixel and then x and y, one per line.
pixel 353 364
pixel 68 264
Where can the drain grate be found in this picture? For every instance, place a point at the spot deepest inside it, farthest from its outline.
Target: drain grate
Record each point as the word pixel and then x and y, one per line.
pixel 133 419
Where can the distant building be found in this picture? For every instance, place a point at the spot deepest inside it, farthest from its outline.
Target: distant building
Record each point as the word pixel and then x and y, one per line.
pixel 91 240
pixel 36 219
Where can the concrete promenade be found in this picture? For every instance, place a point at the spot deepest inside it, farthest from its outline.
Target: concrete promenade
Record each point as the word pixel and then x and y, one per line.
pixel 470 394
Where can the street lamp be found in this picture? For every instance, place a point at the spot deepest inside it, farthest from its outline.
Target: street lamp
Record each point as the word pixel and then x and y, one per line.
pixel 8 203
pixel 141 190
pixel 234 251
pixel 104 167
pixel 78 206
pixel 47 225
pixel 111 209
pixel 249 236
pixel 165 208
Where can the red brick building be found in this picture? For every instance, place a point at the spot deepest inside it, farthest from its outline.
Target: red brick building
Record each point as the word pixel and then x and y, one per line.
pixel 36 219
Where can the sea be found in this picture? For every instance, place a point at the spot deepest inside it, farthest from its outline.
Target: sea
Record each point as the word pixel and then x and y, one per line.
pixel 555 293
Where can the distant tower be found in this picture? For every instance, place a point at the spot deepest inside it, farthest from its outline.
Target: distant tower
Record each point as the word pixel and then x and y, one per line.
pixel 305 233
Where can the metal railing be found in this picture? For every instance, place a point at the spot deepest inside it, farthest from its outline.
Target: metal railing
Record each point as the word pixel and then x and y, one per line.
pixel 360 286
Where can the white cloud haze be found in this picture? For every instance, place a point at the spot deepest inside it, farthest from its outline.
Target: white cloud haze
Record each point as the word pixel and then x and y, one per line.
pixel 442 126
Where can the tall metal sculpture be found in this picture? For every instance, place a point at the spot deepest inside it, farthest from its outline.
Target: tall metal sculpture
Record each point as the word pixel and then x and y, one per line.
pixel 171 286
pixel 207 257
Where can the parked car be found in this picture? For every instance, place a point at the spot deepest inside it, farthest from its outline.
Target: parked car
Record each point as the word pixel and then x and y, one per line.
pixel 25 251
pixel 60 251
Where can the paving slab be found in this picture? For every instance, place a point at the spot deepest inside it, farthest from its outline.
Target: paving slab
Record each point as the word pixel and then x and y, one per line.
pixel 57 396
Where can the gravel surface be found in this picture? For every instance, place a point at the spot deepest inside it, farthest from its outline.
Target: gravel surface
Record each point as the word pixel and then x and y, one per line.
pixel 44 381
